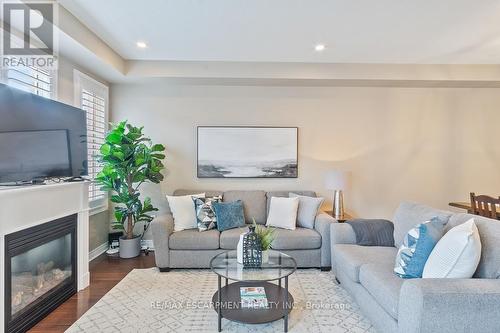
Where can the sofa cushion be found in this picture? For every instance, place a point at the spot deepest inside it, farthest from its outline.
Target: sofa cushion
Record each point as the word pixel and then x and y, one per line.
pixel 229 238
pixel 193 239
pixel 229 215
pixel 285 194
pixel 205 213
pixel 489 233
pixel 456 255
pixel 190 192
pixel 382 284
pixel 254 204
pixel 417 247
pixel 298 239
pixel 184 211
pixel 283 213
pixel 308 210
pixel 409 214
pixel 349 258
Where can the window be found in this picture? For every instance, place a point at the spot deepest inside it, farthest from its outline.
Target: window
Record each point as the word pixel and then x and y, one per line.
pixel 32 79
pixel 92 97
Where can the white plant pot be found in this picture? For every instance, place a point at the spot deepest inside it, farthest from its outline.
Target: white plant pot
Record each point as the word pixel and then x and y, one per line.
pixel 130 248
pixel 265 256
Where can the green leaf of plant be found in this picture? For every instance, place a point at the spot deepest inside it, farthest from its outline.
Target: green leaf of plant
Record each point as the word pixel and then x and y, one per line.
pixel 113 138
pixel 158 147
pixel 105 149
pixel 117 226
pixel 119 155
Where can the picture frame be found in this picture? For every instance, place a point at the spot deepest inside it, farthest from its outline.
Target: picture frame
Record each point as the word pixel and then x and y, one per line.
pixel 247 152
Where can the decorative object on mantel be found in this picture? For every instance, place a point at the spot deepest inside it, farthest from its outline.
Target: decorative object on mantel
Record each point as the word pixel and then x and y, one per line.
pixel 252 251
pixel 266 236
pixel 247 152
pixel 336 181
pixel 130 159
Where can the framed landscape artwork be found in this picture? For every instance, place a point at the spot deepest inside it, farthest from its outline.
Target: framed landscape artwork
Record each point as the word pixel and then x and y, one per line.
pixel 247 152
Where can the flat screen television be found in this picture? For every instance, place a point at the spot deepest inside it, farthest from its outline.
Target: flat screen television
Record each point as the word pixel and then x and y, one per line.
pixel 40 138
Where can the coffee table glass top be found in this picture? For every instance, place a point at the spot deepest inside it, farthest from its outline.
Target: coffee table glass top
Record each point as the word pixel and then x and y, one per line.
pixel 279 266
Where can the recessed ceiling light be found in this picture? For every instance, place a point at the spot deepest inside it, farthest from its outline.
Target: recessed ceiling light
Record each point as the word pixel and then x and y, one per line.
pixel 320 47
pixel 141 45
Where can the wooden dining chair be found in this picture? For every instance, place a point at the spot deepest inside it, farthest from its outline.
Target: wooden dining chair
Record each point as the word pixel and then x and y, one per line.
pixel 484 205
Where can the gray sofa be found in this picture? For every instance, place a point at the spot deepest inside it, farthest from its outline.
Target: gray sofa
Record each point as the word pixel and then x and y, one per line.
pixel 194 249
pixel 420 305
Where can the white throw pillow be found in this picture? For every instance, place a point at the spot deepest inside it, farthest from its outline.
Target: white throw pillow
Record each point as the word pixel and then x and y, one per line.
pixel 183 210
pixel 456 255
pixel 308 209
pixel 283 213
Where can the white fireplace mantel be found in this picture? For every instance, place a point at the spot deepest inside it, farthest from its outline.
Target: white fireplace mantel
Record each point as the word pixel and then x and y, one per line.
pixel 25 207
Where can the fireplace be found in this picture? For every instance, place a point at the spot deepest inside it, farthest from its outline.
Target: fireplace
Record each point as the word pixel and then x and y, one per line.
pixel 40 271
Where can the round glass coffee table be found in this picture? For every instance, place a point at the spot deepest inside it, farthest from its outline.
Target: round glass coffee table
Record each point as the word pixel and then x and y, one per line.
pixel 227 299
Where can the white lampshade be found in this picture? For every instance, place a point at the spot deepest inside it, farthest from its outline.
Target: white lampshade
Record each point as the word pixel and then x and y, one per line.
pixel 336 180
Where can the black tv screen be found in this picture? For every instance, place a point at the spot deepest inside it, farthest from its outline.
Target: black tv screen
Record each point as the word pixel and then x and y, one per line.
pixel 40 138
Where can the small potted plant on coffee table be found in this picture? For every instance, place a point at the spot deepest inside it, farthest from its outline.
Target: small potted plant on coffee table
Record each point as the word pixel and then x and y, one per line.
pixel 129 159
pixel 267 236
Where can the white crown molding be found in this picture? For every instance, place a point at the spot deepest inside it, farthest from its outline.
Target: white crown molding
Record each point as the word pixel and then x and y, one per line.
pixel 308 74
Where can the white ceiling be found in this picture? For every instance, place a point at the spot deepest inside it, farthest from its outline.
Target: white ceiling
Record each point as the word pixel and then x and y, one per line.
pixel 354 31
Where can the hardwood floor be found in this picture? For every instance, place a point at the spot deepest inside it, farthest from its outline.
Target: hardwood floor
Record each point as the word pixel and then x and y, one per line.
pixel 105 273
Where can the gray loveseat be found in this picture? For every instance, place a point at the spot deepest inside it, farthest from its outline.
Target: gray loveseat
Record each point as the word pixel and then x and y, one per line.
pixel 194 249
pixel 420 305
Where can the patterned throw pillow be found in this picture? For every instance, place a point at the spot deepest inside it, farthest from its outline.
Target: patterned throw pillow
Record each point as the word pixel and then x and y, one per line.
pixel 417 246
pixel 205 213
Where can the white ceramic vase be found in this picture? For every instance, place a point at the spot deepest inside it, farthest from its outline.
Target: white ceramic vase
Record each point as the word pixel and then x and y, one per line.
pixel 239 250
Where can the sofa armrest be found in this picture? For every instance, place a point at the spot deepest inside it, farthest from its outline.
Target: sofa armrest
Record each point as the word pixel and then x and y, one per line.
pixel 449 305
pixel 342 233
pixel 322 226
pixel 162 227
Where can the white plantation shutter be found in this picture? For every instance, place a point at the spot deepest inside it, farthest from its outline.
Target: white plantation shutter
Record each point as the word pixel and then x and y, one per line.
pixel 32 79
pixel 92 97
pixel 95 107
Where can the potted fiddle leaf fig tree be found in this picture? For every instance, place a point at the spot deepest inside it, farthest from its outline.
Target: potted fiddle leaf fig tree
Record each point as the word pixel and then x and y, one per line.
pixel 129 159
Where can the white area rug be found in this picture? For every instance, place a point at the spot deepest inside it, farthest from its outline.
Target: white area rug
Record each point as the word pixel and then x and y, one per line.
pixel 179 301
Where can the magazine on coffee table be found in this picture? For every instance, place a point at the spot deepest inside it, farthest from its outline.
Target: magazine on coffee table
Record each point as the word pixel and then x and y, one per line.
pixel 253 297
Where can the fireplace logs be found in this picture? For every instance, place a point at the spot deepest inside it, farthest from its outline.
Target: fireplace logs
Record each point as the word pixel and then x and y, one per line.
pixel 27 287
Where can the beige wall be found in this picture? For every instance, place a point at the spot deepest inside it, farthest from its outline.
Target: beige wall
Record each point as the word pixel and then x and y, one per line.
pixel 99 223
pixel 99 229
pixel 65 87
pixel 431 145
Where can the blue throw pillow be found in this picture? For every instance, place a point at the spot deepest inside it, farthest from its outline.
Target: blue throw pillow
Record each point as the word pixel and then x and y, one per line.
pixel 229 215
pixel 417 246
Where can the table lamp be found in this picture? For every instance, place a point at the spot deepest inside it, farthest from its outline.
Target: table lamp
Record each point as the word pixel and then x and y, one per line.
pixel 336 181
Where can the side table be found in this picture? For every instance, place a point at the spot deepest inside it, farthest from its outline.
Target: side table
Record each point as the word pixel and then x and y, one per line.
pixel 343 218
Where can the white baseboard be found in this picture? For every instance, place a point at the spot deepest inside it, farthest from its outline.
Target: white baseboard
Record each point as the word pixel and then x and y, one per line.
pixel 83 281
pixel 98 251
